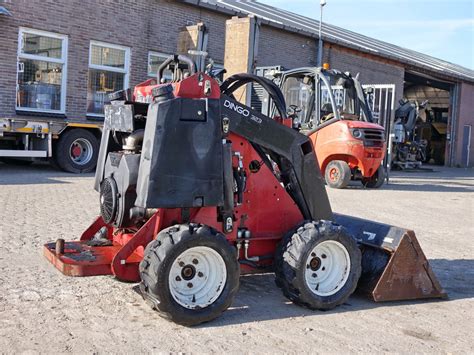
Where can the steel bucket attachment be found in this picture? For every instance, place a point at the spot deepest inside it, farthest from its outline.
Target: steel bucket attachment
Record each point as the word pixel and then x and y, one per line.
pixel 393 265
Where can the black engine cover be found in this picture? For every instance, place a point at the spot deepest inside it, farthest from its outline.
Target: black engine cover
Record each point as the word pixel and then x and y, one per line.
pixel 181 163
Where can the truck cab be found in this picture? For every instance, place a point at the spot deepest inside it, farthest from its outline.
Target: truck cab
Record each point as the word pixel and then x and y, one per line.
pixel 331 108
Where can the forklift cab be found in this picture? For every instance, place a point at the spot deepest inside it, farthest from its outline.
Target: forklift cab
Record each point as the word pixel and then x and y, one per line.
pixel 331 108
pixel 317 97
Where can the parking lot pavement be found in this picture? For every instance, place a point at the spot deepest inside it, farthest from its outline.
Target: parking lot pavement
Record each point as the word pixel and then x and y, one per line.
pixel 44 311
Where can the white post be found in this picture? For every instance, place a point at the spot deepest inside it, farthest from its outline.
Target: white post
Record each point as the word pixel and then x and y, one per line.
pixel 322 3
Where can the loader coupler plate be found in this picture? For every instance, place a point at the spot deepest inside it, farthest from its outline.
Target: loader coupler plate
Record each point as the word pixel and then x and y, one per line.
pixel 394 266
pixel 80 259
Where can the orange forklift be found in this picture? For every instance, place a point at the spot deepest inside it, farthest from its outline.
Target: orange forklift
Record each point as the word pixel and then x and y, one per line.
pixel 331 108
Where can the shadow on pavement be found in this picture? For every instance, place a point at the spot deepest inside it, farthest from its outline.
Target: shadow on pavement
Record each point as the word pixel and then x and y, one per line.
pixel 441 186
pixel 447 178
pixel 429 187
pixel 259 299
pixel 456 277
pixel 37 173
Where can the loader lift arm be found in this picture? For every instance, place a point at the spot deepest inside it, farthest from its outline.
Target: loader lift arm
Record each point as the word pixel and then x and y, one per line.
pixel 292 151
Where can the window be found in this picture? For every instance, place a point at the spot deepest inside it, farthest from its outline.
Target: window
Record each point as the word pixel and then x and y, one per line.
pixel 299 92
pixel 155 59
pixel 42 67
pixel 109 67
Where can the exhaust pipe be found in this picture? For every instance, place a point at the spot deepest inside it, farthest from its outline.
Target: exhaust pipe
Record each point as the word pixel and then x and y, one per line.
pixel 134 141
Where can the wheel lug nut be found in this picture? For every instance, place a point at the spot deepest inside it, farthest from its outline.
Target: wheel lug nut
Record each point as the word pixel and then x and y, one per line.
pixel 181 263
pixel 200 274
pixel 190 285
pixel 178 278
pixel 314 275
pixel 323 256
pixel 195 261
pixel 313 254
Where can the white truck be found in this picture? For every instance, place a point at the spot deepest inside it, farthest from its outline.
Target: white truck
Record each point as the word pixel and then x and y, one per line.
pixel 73 146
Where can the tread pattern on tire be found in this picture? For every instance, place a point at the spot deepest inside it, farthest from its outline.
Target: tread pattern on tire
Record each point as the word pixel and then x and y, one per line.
pixel 290 254
pixel 154 258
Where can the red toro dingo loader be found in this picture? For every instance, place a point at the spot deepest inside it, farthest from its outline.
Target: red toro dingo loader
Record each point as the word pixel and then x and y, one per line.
pixel 197 189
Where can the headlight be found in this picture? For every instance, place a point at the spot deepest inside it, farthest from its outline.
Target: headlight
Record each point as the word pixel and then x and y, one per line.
pixel 356 133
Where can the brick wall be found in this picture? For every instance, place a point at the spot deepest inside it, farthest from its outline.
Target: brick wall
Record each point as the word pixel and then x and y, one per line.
pixel 141 25
pixel 277 47
pixel 371 71
pixel 239 45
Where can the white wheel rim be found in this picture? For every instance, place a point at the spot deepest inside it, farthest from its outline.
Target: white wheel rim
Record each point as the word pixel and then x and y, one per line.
pixel 197 277
pixel 327 268
pixel 81 151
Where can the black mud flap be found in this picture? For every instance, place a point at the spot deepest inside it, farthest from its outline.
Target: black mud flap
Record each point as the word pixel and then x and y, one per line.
pixel 393 265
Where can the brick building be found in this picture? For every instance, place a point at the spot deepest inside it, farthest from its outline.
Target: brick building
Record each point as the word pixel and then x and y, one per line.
pixel 60 59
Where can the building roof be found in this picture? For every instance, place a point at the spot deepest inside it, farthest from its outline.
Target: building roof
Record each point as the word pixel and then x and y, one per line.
pixel 297 23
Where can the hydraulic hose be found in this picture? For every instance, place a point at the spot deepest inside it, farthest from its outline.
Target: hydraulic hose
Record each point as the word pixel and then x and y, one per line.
pixel 231 84
pixel 241 79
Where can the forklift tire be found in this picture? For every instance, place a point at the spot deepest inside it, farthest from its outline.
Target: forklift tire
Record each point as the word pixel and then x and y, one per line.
pixel 318 265
pixel 77 151
pixel 375 181
pixel 338 174
pixel 184 258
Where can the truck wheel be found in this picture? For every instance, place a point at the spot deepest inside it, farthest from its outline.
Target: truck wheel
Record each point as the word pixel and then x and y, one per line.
pixel 318 265
pixel 338 174
pixel 375 181
pixel 77 151
pixel 190 274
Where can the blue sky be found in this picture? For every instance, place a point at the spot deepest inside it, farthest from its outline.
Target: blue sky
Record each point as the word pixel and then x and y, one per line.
pixel 440 28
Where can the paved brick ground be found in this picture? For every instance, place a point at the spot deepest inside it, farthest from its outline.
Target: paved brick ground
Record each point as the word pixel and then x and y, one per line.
pixel 43 311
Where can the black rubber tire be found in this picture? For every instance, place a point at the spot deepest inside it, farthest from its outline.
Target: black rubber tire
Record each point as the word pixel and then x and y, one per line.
pixel 290 264
pixel 158 258
pixel 343 171
pixel 62 155
pixel 376 181
pixel 17 162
